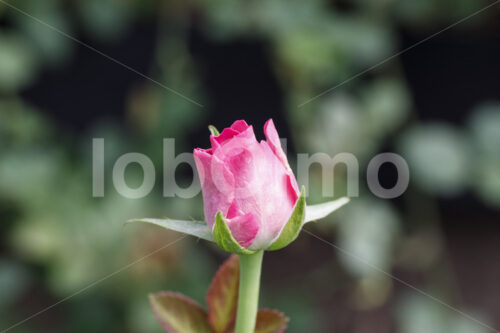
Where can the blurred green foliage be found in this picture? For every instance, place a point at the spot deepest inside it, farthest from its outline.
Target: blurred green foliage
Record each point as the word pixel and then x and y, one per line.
pixel 58 239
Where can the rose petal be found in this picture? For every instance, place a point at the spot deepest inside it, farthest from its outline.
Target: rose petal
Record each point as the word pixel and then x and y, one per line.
pixel 244 228
pixel 273 140
pixel 217 183
pixel 233 211
pixel 226 134
pixel 239 125
pixel 274 196
pixel 292 188
pixel 249 182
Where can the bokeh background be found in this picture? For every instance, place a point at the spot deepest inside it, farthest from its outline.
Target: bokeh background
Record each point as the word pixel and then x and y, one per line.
pixel 438 105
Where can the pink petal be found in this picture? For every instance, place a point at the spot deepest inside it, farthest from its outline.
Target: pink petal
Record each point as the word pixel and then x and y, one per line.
pixel 217 183
pixel 239 126
pixel 273 140
pixel 239 156
pixel 226 134
pixel 292 188
pixel 276 198
pixel 247 134
pixel 244 228
pixel 241 130
pixel 242 164
pixel 233 211
pixel 202 159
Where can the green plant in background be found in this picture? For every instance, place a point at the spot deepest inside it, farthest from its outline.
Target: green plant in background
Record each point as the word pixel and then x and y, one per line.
pixel 75 238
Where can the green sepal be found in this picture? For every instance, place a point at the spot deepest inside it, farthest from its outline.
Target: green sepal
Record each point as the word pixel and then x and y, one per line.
pixel 322 210
pixel 194 228
pixel 292 228
pixel 213 130
pixel 225 239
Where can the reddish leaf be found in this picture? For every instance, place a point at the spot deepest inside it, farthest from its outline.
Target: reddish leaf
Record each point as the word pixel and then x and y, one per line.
pixel 178 313
pixel 222 297
pixel 270 321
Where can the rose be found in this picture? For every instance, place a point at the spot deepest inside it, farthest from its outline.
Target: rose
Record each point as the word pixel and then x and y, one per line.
pixel 249 182
pixel 251 198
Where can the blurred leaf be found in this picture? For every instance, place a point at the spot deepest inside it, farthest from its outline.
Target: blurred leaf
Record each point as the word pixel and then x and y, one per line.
pixel 487 180
pixel 222 296
pixel 51 46
pixel 417 314
pixel 431 14
pixel 38 240
pixel 387 105
pixel 21 124
pixel 484 125
pixel 197 267
pixel 298 304
pixel 222 22
pixel 90 312
pixel 416 12
pixel 461 324
pixel 367 232
pixel 105 19
pixel 14 280
pixel 178 313
pixel 439 156
pixel 176 116
pixel 363 42
pixel 311 52
pixel 372 291
pixel 27 174
pixel 341 126
pixel 18 66
pixel 140 317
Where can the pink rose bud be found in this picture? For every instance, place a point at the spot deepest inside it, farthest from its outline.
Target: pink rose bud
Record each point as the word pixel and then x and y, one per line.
pixel 249 182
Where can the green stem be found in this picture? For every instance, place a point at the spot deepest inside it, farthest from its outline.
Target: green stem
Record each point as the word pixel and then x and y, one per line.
pixel 248 298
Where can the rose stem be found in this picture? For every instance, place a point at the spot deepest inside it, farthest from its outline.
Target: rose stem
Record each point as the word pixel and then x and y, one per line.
pixel 248 299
